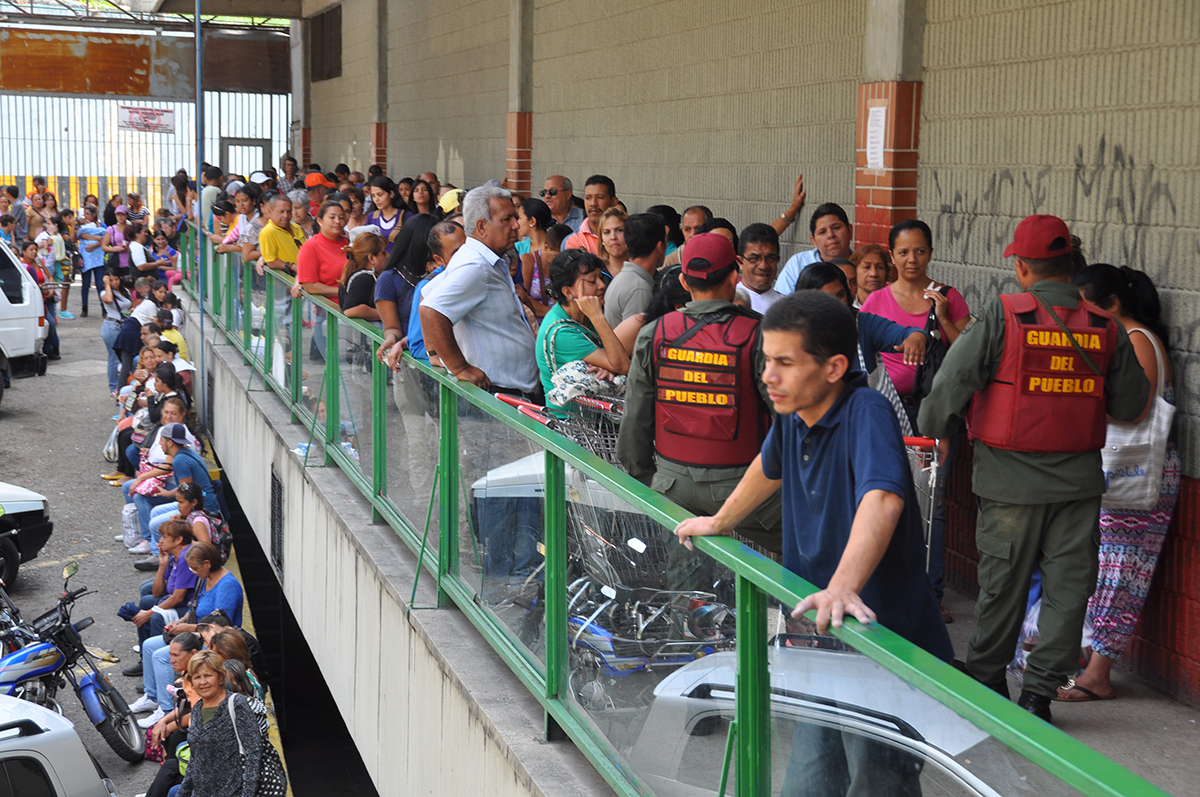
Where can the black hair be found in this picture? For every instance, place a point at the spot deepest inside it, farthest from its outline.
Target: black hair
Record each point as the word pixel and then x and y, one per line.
pixel 557 234
pixel 236 679
pixel 1102 282
pixel 193 493
pixel 188 641
pixel 671 219
pixel 569 266
pixel 404 181
pixel 213 173
pixel 827 209
pixel 758 233
pixel 539 212
pixel 669 295
pixel 374 170
pixel 164 316
pixel 341 168
pixel 825 325
pixel 433 197
pixel 817 275
pixel 437 232
pixel 385 184
pixel 223 207
pixel 165 373
pixel 7 219
pixel 720 224
pixel 135 229
pixel 600 179
pixel 218 618
pixel 26 245
pixel 173 300
pixel 12 191
pixel 709 283
pixel 411 252
pixel 167 346
pixel 153 328
pixel 643 232
pixel 908 225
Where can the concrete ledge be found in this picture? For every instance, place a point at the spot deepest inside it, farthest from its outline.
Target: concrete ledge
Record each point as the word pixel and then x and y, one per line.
pixel 429 703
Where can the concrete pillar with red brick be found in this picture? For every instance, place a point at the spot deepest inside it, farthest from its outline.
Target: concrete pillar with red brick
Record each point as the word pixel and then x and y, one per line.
pixel 888 119
pixel 379 145
pixel 519 135
pixel 885 173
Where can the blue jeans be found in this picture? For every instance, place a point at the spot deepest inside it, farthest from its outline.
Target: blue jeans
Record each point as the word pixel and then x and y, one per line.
pixel 108 332
pixel 145 504
pixel 87 282
pixel 50 344
pixel 157 673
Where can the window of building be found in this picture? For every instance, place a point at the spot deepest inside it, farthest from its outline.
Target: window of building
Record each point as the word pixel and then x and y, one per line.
pixel 325 44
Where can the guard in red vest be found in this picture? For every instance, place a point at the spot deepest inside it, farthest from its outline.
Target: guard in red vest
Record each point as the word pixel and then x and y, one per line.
pixel 696 410
pixel 1034 376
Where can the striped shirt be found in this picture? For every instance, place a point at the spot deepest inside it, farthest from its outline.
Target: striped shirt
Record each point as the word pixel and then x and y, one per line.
pixel 476 293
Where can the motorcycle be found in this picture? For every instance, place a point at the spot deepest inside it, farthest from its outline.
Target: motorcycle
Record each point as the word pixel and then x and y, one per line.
pixel 45 653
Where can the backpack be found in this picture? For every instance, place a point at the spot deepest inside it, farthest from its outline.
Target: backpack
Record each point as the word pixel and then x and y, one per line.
pixel 219 534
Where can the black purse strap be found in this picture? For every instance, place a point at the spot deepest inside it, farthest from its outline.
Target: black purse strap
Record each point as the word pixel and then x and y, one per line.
pixel 1070 336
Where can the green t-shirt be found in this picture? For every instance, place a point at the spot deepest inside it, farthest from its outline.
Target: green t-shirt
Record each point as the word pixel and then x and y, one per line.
pixel 561 340
pixel 206 714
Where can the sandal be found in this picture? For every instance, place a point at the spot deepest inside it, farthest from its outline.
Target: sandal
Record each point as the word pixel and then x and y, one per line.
pixel 1088 694
pixel 111 477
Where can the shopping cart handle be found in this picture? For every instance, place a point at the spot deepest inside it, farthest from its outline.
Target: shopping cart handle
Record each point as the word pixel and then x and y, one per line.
pixel 594 403
pixel 518 402
pixel 530 411
pixel 920 442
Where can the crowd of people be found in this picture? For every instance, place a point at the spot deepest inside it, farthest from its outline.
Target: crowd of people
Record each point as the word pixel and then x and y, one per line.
pixel 768 397
pixel 546 296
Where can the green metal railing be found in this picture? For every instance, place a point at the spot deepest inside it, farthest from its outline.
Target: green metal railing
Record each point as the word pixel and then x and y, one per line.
pixel 337 386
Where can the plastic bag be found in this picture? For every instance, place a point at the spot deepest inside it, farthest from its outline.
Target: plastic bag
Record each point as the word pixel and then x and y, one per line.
pixel 110 448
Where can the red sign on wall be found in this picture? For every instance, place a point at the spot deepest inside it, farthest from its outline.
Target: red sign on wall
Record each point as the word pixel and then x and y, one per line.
pixel 147 120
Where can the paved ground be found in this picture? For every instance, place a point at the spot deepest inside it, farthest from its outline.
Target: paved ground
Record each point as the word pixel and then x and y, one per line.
pixel 52 430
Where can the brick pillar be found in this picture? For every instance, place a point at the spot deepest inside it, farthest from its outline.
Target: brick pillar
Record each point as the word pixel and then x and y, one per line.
pixel 520 150
pixel 305 147
pixel 884 196
pixel 379 145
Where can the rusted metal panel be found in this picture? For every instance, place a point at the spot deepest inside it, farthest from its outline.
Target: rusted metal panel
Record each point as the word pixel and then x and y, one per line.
pixel 99 64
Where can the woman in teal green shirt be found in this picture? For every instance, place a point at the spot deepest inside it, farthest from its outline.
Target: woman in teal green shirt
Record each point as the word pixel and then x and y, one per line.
pixel 575 328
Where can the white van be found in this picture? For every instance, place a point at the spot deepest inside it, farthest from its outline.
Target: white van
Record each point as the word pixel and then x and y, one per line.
pixel 22 319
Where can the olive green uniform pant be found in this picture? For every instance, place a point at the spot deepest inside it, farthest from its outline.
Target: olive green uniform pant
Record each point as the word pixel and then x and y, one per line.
pixel 693 570
pixel 1063 539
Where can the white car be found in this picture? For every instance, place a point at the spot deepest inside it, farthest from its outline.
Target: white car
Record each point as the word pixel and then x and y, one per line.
pixel 22 318
pixel 680 749
pixel 42 756
pixel 25 527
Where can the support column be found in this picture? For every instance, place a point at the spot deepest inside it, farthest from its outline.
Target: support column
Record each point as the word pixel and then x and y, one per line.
pixel 519 134
pixel 305 157
pixel 379 125
pixel 887 195
pixel 889 118
pixel 379 144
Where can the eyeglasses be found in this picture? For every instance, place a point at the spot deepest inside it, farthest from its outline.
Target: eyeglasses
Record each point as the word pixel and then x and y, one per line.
pixel 549 192
pixel 755 259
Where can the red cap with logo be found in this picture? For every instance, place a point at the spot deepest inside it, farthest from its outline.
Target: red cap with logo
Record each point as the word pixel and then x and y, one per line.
pixel 705 253
pixel 1040 238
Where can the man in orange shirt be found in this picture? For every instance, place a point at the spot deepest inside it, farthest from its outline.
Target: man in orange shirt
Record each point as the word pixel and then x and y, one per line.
pixel 599 194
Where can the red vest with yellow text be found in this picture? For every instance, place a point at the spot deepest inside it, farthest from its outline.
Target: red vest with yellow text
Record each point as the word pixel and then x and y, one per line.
pixel 1044 397
pixel 708 411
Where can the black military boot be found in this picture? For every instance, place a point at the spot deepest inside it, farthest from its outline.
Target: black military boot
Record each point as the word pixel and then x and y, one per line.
pixel 1037 705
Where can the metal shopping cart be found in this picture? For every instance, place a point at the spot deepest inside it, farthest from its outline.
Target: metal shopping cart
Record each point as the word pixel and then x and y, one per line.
pixel 623 616
pixel 923 460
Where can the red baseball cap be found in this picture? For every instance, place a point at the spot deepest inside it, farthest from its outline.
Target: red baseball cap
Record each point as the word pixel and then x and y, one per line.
pixel 705 253
pixel 1040 238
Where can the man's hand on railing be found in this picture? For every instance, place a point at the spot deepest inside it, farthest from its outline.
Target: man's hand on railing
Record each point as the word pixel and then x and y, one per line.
pixel 698 527
pixel 833 605
pixel 295 291
pixel 392 359
pixel 475 376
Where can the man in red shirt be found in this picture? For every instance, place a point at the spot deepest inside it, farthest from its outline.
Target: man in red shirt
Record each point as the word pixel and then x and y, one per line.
pixel 599 194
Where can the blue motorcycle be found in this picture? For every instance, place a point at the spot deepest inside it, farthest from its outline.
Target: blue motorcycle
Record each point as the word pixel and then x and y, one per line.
pixel 43 659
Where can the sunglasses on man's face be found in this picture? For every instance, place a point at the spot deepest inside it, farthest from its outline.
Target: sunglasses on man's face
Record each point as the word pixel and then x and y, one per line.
pixel 545 192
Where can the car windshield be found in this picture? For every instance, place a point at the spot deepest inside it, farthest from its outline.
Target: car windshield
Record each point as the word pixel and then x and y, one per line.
pixel 11 281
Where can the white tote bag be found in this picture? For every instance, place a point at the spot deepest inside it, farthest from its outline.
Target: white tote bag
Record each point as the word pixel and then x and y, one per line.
pixel 1133 453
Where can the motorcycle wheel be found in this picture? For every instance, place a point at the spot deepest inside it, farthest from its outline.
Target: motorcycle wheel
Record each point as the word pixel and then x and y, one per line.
pixel 120 728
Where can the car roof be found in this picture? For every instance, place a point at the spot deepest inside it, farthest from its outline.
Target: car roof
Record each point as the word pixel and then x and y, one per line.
pixel 13 709
pixel 846 677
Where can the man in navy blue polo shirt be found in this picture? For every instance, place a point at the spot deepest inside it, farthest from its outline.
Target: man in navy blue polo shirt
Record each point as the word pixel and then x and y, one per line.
pixel 851 523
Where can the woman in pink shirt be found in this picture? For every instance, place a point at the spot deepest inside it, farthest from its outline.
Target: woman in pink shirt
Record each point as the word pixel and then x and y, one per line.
pixel 907 301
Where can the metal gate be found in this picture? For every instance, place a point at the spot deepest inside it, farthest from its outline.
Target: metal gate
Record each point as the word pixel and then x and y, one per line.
pixel 244 155
pixel 76 144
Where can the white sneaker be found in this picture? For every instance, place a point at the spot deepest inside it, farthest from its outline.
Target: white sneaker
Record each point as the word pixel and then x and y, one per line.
pixel 149 722
pixel 119 538
pixel 143 703
pixel 141 549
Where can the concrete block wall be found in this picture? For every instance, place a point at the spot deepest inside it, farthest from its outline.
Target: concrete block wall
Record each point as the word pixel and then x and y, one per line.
pixel 341 109
pixel 448 89
pixel 707 102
